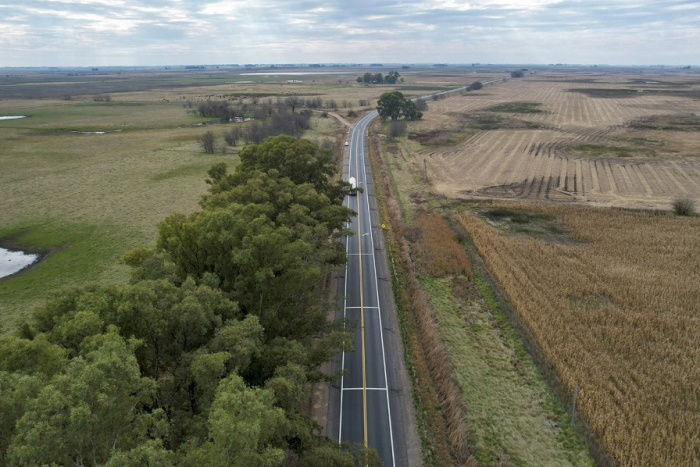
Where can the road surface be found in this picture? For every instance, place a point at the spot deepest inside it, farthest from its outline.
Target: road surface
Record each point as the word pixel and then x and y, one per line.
pixel 370 403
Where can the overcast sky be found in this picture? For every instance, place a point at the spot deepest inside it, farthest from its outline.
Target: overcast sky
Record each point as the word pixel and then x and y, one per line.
pixel 179 32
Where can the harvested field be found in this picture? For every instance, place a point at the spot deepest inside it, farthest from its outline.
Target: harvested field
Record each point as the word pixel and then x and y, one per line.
pixel 616 313
pixel 534 138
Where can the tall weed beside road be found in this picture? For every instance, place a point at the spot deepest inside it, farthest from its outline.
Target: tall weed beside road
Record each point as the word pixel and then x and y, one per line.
pixel 439 253
pixel 617 316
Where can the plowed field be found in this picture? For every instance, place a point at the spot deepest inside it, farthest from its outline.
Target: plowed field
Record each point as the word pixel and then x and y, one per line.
pixel 618 141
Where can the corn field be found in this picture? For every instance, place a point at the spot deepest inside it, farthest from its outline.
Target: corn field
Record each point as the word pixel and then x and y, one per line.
pixel 617 313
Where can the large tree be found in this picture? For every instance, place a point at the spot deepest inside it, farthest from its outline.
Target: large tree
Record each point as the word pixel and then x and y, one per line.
pixel 393 105
pixel 84 415
pixel 390 105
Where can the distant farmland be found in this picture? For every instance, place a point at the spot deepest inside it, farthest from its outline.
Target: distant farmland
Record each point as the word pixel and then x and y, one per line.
pixel 635 145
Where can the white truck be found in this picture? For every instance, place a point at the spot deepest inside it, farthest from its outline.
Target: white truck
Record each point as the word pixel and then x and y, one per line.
pixel 353 186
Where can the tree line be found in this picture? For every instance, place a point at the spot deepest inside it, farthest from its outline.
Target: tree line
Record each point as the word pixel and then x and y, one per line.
pixel 206 357
pixel 377 78
pixel 283 123
pixel 259 108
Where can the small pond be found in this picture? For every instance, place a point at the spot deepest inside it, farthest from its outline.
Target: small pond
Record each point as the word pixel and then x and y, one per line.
pixel 14 261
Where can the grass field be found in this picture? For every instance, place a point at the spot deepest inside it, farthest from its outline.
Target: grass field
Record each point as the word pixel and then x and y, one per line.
pixel 87 198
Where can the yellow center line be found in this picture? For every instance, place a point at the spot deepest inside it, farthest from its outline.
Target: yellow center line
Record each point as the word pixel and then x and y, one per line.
pixel 362 308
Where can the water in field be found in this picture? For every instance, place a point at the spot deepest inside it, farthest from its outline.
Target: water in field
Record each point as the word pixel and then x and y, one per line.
pixel 14 261
pixel 12 117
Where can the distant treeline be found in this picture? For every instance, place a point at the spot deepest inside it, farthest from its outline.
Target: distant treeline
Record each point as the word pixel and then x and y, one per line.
pixel 377 78
pixel 259 108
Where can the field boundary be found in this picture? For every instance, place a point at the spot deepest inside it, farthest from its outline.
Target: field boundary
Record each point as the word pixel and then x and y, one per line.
pixel 546 369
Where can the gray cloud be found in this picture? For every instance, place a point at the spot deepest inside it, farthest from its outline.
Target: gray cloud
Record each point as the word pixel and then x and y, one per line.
pixel 159 32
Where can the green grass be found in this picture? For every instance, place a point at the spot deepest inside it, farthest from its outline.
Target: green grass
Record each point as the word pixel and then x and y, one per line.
pixel 90 198
pixel 530 223
pixel 606 92
pixel 185 171
pixel 74 254
pixel 57 118
pixel 667 123
pixel 511 410
pixel 515 215
pixel 599 150
pixel 618 93
pixel 516 107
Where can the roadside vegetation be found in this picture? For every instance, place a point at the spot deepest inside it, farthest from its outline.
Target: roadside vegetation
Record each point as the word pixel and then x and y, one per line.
pixel 495 406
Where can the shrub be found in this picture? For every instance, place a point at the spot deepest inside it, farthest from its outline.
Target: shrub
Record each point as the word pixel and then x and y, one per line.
pixel 684 206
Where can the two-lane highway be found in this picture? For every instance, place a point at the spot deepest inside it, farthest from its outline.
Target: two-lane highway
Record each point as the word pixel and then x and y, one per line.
pixel 369 402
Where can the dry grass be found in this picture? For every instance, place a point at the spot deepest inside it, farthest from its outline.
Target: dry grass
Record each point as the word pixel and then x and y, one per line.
pixel 617 315
pixel 438 252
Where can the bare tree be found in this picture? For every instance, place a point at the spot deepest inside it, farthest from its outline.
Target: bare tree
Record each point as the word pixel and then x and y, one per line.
pixel 233 135
pixel 293 102
pixel 209 142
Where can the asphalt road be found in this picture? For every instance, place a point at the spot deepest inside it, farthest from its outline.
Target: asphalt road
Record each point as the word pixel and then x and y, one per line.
pixel 369 403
